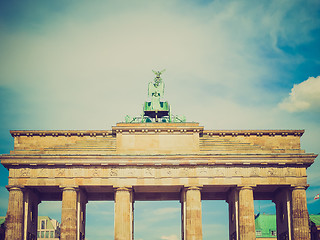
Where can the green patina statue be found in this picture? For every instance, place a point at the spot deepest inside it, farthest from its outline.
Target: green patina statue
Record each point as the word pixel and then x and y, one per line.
pixel 156 91
pixel 156 110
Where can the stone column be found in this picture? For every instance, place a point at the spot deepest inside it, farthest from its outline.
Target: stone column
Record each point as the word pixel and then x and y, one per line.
pixel 15 214
pixel 282 200
pixel 123 214
pixel 246 214
pixel 31 202
pixel 300 217
pixel 69 214
pixel 192 219
pixel 233 200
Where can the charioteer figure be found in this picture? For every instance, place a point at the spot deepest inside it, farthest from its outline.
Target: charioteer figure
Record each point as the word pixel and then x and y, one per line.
pixel 156 108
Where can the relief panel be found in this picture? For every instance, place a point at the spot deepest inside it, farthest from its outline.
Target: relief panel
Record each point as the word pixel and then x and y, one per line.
pixel 24 172
pixel 158 172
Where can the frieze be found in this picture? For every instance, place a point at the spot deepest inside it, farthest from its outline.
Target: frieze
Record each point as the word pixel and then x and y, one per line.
pixel 157 172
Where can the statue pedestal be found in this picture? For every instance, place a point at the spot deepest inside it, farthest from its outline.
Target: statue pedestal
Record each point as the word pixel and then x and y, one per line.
pixel 157 138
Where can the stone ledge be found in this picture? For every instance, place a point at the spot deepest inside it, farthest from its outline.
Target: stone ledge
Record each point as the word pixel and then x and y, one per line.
pixel 56 133
pixel 249 133
pixel 131 128
pixel 279 160
pixel 159 128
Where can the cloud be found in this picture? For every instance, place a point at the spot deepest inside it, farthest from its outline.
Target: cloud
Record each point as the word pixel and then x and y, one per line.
pixel 103 208
pixel 171 237
pixel 166 211
pixel 303 97
pixel 216 230
pixel 156 218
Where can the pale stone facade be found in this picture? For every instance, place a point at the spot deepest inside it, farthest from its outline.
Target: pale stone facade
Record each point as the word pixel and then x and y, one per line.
pixel 48 229
pixel 158 161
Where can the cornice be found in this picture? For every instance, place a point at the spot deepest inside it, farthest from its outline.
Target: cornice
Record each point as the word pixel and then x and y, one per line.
pixel 155 128
pixel 278 160
pixel 163 128
pixel 57 133
pixel 248 133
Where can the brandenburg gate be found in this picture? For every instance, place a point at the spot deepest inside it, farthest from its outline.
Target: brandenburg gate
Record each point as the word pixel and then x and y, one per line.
pixel 158 157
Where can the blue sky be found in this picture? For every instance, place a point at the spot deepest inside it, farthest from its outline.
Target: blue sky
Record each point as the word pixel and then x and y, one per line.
pixel 229 65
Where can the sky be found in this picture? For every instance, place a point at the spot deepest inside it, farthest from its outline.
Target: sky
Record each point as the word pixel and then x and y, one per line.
pixel 229 65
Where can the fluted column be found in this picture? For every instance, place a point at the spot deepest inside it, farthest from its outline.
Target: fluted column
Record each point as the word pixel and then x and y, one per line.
pixel 246 214
pixel 15 214
pixel 192 219
pixel 69 214
pixel 300 216
pixel 123 214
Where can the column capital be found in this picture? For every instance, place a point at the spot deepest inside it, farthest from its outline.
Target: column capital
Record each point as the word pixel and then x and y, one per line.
pixel 300 187
pixel 188 188
pixel 69 188
pixel 244 187
pixel 127 188
pixel 14 188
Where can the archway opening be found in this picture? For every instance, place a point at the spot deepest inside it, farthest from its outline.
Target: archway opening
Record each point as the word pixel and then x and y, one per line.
pixel 100 220
pixel 215 220
pixel 265 219
pixel 49 219
pixel 157 220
